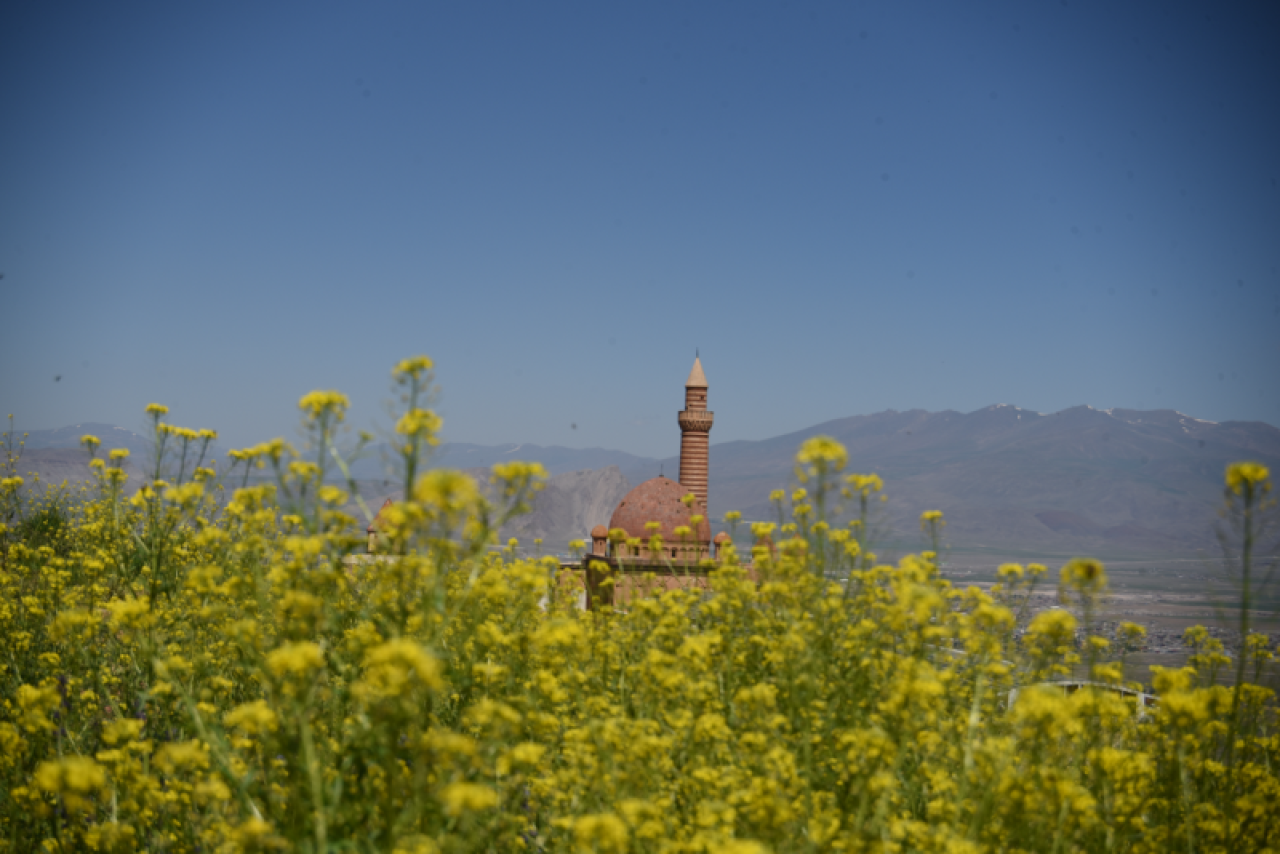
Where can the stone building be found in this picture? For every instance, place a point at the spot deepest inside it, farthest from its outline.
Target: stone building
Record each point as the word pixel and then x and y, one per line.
pixel 663 507
pixel 626 551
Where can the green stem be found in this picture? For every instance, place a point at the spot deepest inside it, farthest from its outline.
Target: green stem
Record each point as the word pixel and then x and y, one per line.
pixel 317 789
pixel 1246 595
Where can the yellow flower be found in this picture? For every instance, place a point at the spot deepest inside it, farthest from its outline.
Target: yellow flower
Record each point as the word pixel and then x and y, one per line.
pixel 123 730
pixel 459 798
pixel 528 753
pixel 1170 680
pixel 821 454
pixel 451 491
pixel 411 368
pixel 395 668
pixel 330 494
pixel 600 832
pixel 185 495
pixel 78 779
pixel 733 516
pixel 296 659
pixel 35 705
pixel 119 453
pixel 865 483
pixel 1132 631
pixel 253 718
pixel 515 477
pixel 131 613
pixel 760 530
pixel 1010 570
pixel 258 835
pixel 1055 622
pixel 1111 673
pixel 688 499
pixel 177 755
pixel 157 409
pixel 931 516
pixel 1051 633
pixel 488 672
pixel 740 846
pixel 1248 477
pixel 320 403
pixel 415 844
pixel 112 836
pixel 90 442
pixel 1084 575
pixel 420 423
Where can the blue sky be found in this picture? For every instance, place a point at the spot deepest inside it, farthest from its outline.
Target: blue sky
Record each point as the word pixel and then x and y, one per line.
pixel 845 207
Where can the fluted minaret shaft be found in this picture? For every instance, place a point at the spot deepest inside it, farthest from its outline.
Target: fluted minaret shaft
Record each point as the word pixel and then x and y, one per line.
pixel 695 434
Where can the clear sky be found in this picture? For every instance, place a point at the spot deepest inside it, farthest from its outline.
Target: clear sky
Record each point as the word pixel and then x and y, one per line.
pixel 845 207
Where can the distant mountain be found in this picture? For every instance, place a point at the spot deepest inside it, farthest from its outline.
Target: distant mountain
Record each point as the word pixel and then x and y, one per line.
pixel 567 508
pixel 1117 482
pixel 377 461
pixel 69 437
pixel 57 456
pixel 45 467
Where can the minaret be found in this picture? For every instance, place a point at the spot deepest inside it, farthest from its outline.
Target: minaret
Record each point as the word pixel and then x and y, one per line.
pixel 695 434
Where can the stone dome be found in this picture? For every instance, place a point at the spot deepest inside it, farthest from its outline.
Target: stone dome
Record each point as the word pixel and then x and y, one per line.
pixel 658 500
pixel 599 532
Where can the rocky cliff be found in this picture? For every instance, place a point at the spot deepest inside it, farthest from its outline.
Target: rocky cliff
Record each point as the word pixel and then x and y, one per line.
pixel 569 507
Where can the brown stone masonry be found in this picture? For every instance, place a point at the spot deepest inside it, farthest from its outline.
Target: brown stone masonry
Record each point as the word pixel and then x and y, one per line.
pixel 695 429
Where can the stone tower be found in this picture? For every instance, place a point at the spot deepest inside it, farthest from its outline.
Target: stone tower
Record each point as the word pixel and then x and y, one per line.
pixel 695 433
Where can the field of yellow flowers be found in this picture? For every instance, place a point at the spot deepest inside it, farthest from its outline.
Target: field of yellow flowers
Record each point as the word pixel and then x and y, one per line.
pixel 196 664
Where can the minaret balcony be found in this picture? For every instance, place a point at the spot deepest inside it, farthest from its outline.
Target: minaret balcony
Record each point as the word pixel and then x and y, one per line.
pixel 697 421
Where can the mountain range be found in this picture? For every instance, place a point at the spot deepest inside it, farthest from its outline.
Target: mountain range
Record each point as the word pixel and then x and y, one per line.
pixel 1114 482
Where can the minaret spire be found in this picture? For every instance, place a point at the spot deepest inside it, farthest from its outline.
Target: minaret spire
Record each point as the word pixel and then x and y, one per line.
pixel 695 433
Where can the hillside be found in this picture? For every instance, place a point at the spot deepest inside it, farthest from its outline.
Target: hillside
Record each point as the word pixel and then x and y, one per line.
pixel 376 461
pixel 69 437
pixel 1107 482
pixel 55 466
pixel 1118 481
pixel 567 508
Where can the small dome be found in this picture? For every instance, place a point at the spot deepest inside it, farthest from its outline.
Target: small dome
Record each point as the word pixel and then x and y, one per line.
pixel 599 532
pixel 658 500
pixel 722 538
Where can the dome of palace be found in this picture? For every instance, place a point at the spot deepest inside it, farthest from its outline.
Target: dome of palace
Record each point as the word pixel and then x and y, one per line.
pixel 658 500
